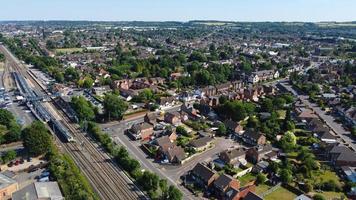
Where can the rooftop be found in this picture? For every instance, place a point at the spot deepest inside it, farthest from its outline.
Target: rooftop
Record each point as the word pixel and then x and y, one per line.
pixel 5 181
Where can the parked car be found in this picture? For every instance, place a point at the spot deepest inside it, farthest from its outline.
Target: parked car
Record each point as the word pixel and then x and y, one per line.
pixel 44 179
pixel 10 164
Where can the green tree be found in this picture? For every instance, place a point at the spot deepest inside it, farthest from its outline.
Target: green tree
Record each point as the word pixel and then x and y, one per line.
pixel 288 141
pixel 6 117
pixel 286 175
pixel 174 193
pixel 36 139
pixel 14 133
pixel 83 108
pixel 149 181
pixel 9 155
pixel 267 105
pixel 181 130
pixel 88 82
pixel 71 74
pixel 222 129
pixel 114 107
pixel 146 95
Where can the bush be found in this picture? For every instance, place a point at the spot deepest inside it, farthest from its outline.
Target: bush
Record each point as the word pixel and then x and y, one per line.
pixel 260 179
pixel 307 187
pixel 331 185
pixel 318 197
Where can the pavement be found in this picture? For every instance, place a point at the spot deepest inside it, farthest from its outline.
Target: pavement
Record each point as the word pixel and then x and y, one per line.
pixel 336 127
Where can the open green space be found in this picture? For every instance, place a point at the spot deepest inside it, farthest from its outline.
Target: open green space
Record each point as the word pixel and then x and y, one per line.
pixel 68 50
pixel 281 194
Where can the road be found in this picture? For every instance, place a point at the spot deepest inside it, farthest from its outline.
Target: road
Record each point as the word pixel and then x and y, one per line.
pixel 108 180
pixel 328 119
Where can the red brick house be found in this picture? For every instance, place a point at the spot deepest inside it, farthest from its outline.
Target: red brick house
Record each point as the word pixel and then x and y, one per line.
pixel 172 118
pixel 233 157
pixel 223 183
pixel 256 154
pixel 203 176
pixel 240 194
pixel 141 131
pixel 253 137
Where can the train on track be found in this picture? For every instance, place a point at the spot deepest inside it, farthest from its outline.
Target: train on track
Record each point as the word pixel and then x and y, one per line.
pixel 33 102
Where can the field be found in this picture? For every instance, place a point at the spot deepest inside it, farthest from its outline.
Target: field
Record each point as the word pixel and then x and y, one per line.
pixel 69 50
pixel 281 194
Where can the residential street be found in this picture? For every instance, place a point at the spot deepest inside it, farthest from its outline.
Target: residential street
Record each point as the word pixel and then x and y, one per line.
pixel 328 119
pixel 172 173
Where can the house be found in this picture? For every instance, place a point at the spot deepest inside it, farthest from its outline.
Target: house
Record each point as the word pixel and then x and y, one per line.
pixel 39 191
pixel 341 156
pixel 263 75
pixel 256 154
pixel 239 194
pixel 190 110
pixel 172 118
pixel 100 91
pixel 349 115
pixel 327 137
pixel 223 183
pixel 305 114
pixel 234 127
pixel 349 173
pixel 166 102
pixel 168 150
pixel 260 167
pixel 151 118
pixel 176 154
pixel 253 137
pixel 201 144
pixel 234 157
pixel 203 176
pixel 141 131
pixel 7 187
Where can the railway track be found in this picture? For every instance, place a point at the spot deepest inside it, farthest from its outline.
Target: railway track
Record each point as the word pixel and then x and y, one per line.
pixel 108 180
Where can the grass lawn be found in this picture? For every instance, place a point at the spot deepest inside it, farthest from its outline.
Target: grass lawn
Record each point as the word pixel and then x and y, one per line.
pixel 292 155
pixel 246 179
pixel 325 175
pixel 261 188
pixel 331 195
pixel 68 50
pixel 281 194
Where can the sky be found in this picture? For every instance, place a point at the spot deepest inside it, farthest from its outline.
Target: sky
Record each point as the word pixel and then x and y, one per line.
pixel 179 10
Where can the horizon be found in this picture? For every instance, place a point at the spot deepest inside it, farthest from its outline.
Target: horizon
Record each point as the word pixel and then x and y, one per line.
pixel 162 21
pixel 180 11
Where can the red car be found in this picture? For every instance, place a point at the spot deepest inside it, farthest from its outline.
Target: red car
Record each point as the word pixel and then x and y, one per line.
pixel 17 162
